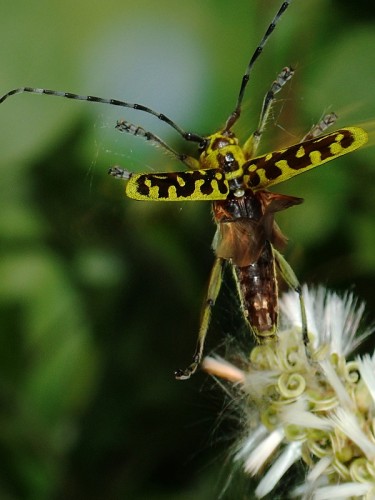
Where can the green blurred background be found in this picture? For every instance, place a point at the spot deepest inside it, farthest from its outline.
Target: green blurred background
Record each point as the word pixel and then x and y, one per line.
pixel 100 295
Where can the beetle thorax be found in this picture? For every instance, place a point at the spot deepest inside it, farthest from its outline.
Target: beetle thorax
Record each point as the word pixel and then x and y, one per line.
pixel 223 152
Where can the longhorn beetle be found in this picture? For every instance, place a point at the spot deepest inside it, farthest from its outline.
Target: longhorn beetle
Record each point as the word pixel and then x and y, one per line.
pixel 235 180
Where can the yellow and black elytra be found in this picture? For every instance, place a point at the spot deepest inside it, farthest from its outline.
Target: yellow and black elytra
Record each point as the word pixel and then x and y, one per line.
pixel 235 180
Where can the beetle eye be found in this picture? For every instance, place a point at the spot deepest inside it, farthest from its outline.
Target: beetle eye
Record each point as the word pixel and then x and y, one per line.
pixel 203 145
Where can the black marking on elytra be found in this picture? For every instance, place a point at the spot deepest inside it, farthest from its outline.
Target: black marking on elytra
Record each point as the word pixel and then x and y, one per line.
pixel 347 140
pixel 254 180
pixel 321 144
pixel 267 163
pixel 272 170
pixel 185 183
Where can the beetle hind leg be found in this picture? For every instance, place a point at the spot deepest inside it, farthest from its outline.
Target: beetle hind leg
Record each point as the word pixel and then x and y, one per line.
pixel 291 279
pixel 212 293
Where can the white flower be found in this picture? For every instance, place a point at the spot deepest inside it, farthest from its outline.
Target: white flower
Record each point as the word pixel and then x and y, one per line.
pixel 318 408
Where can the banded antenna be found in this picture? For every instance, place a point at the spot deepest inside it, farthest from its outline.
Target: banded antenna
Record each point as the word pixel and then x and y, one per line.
pixel 188 136
pixel 233 117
